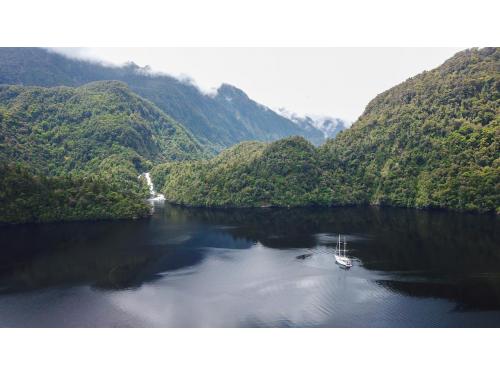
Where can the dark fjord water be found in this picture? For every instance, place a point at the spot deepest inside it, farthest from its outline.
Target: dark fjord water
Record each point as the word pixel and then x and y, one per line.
pixel 232 268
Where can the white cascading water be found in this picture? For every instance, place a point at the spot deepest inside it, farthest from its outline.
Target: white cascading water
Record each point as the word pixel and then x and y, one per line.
pixel 153 195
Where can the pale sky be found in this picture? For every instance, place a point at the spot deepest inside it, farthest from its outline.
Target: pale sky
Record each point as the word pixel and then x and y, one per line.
pixel 337 82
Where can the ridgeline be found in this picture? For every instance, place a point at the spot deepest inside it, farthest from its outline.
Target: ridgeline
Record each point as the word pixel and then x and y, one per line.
pixel 431 142
pixel 75 152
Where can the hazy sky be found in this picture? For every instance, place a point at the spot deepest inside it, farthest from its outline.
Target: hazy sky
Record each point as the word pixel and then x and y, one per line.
pixel 324 81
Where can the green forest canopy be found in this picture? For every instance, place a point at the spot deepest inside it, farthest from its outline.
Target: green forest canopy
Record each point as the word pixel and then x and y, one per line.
pixel 75 153
pixel 432 141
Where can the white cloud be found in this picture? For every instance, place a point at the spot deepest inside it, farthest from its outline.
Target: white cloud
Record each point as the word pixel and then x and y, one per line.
pixel 337 82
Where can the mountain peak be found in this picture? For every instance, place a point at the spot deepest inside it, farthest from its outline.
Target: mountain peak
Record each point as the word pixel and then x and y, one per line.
pixel 217 120
pixel 131 65
pixel 328 125
pixel 230 92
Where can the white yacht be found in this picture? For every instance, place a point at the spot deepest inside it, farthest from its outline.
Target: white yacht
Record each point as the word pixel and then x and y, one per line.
pixel 340 257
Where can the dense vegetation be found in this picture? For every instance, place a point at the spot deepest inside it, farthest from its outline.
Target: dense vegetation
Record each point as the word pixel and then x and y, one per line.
pixel 75 153
pixel 26 197
pixel 282 173
pixel 432 141
pixel 61 129
pixel 217 121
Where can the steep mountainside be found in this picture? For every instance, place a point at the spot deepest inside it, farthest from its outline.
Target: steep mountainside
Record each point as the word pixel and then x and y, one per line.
pixel 432 141
pixel 215 121
pixel 262 122
pixel 57 130
pixel 75 153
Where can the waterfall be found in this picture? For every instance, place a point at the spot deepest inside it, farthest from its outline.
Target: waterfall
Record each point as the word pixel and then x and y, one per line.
pixel 153 195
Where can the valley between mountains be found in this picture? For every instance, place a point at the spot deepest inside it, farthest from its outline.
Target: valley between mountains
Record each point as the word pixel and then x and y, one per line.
pixel 75 135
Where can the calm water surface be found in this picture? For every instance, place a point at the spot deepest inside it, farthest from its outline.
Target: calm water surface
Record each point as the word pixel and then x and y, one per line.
pixel 254 268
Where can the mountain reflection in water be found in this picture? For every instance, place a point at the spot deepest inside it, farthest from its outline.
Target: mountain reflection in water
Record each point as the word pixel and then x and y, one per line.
pixel 256 267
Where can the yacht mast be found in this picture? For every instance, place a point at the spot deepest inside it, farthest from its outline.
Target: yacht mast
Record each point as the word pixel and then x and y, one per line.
pixel 338 245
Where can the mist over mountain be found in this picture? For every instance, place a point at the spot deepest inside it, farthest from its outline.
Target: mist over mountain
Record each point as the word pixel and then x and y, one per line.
pixel 431 141
pixel 261 121
pixel 329 126
pixel 75 135
pixel 216 121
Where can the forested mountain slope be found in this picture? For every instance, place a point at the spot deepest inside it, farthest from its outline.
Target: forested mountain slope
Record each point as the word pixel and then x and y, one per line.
pixel 282 173
pixel 61 129
pixel 432 141
pixel 75 153
pixel 215 121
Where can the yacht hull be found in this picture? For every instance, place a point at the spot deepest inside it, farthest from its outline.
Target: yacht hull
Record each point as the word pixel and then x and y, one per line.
pixel 343 261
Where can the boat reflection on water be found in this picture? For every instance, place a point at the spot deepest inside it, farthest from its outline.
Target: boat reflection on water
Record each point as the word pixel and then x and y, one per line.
pixel 255 267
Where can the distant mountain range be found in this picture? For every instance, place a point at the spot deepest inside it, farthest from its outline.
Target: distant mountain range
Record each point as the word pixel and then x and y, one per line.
pixel 432 141
pixel 216 121
pixel 75 136
pixel 329 126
